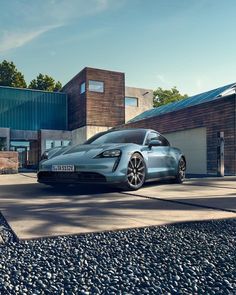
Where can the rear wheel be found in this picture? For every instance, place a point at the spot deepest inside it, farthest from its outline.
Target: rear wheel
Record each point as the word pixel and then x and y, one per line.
pixel 136 173
pixel 180 176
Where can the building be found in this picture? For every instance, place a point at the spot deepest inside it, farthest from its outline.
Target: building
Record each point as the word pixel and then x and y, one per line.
pixel 26 116
pixel 98 100
pixel 94 100
pixel 193 125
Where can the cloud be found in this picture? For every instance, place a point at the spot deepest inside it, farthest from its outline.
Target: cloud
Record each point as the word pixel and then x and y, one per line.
pixel 163 80
pixel 17 39
pixel 44 16
pixel 201 83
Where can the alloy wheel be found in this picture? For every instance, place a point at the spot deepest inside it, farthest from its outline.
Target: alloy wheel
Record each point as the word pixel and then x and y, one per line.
pixel 136 172
pixel 182 170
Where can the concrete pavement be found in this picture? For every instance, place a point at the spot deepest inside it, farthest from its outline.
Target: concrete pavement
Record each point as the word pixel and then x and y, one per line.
pixel 34 210
pixel 209 192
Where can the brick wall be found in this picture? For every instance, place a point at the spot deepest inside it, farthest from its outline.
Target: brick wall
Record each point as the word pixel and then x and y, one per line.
pixel 107 108
pixel 94 108
pixel 218 115
pixel 8 162
pixel 76 101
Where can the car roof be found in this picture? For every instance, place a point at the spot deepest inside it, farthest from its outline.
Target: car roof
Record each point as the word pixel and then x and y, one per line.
pixel 132 129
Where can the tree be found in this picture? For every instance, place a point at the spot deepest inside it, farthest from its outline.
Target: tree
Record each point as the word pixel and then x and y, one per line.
pixel 165 96
pixel 10 76
pixel 45 82
pixel 57 86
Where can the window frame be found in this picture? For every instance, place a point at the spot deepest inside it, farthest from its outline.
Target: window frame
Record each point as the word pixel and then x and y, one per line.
pixel 160 137
pixel 83 83
pixel 99 81
pixel 132 97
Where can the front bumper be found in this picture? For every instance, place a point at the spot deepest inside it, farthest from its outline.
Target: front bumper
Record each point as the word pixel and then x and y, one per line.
pixel 101 172
pixel 70 177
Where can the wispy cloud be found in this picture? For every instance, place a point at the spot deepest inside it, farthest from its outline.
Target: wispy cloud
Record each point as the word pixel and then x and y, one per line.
pixel 163 80
pixel 45 16
pixel 17 39
pixel 201 83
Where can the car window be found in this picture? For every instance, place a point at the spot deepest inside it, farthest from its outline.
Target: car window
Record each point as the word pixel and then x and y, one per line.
pixel 164 141
pixel 157 136
pixel 121 136
pixel 151 136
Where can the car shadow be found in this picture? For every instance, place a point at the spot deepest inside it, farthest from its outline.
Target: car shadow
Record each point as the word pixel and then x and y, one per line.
pixel 85 206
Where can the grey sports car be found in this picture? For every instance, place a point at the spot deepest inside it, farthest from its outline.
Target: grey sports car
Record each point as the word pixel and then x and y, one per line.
pixel 126 158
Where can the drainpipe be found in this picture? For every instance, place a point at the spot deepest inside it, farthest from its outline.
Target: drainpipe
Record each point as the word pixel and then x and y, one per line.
pixel 220 154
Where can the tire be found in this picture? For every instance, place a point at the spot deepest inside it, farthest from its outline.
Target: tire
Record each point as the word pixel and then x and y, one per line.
pixel 180 176
pixel 136 173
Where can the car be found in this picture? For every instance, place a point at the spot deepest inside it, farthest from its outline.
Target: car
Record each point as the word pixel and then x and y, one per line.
pixel 126 158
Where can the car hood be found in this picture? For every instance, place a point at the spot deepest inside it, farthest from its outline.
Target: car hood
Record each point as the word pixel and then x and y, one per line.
pixel 84 151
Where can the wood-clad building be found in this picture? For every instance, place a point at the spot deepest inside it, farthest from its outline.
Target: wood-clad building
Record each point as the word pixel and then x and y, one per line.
pixel 194 124
pixel 32 121
pixel 97 101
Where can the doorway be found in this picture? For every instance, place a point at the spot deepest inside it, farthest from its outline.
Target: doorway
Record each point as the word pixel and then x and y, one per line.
pixel 27 153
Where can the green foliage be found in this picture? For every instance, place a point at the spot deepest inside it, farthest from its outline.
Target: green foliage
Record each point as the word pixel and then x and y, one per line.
pixel 165 96
pixel 57 86
pixel 10 76
pixel 45 82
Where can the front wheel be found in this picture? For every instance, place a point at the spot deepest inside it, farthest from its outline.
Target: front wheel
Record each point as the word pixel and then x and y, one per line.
pixel 180 176
pixel 136 173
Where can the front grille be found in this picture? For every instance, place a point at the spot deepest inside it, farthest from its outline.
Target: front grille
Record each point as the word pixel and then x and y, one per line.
pixel 70 177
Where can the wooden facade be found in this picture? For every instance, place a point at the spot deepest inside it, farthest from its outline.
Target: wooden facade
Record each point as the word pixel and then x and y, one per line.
pixel 217 115
pixel 76 101
pixel 96 108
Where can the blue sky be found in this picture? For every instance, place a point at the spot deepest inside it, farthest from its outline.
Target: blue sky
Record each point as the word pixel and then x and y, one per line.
pixel 190 44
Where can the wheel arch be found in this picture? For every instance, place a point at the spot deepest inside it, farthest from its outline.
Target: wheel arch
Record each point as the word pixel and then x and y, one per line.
pixel 181 156
pixel 138 152
pixel 184 158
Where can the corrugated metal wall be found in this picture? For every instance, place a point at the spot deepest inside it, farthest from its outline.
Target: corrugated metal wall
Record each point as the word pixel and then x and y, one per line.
pixel 32 110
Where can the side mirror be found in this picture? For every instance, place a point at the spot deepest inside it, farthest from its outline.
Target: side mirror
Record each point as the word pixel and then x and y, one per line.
pixel 154 142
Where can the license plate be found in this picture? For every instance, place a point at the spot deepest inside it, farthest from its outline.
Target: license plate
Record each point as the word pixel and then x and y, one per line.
pixel 64 168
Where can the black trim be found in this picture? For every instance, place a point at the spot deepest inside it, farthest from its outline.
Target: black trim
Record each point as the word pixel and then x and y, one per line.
pixel 70 177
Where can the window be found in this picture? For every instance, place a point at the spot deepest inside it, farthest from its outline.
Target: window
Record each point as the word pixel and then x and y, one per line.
pixel 131 101
pixel 82 88
pixel 152 136
pixel 66 142
pixel 56 143
pixel 164 141
pixel 49 144
pixel 96 86
pixel 157 136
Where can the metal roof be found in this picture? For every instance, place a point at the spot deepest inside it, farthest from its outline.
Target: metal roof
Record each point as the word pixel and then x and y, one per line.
pixel 32 90
pixel 188 102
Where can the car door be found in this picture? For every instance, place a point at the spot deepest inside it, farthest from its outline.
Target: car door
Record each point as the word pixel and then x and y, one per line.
pixel 160 160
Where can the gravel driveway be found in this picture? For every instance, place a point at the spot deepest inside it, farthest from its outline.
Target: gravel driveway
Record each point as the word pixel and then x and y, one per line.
pixel 190 258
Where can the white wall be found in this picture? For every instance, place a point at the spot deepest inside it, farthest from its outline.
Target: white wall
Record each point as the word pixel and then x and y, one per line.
pixel 145 101
pixel 80 135
pixel 193 144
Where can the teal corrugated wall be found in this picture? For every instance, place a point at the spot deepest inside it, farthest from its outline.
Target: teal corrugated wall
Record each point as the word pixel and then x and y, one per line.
pixel 32 110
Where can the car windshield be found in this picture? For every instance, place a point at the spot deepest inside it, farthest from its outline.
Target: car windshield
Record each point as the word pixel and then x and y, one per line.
pixel 121 136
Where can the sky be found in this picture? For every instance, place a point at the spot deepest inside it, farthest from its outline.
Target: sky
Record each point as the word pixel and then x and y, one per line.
pixel 190 44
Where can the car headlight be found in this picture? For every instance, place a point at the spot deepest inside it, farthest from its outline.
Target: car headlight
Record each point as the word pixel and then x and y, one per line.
pixel 109 154
pixel 44 156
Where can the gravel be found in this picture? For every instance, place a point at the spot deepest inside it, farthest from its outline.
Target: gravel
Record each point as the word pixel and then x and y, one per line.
pixel 192 258
pixel 6 233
